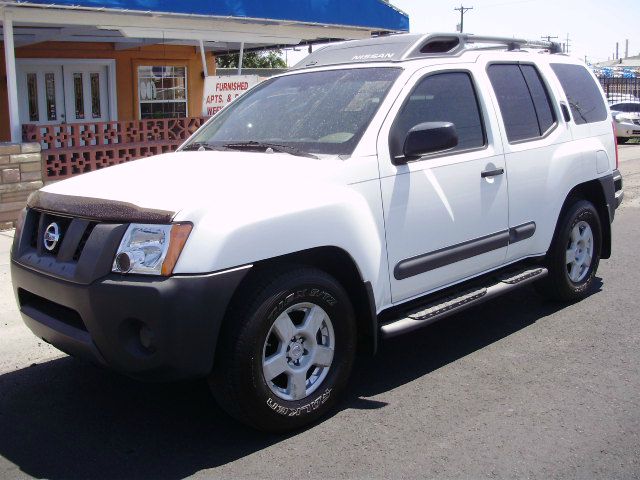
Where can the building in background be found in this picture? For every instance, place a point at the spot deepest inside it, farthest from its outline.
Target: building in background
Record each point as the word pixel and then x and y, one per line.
pixel 101 82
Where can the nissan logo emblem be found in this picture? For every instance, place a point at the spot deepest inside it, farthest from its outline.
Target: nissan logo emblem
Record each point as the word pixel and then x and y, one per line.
pixel 51 236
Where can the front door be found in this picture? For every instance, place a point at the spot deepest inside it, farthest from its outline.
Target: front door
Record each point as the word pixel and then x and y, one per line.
pixel 41 94
pixel 59 91
pixel 445 221
pixel 86 93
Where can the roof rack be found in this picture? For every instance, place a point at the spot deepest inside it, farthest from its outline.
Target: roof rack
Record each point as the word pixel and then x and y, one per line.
pixel 394 48
pixel 455 43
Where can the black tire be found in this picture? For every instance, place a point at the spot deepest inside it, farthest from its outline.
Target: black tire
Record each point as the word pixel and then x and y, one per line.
pixel 623 140
pixel 237 380
pixel 558 285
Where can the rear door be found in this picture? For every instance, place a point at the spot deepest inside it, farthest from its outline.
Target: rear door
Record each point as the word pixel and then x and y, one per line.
pixel 549 146
pixel 444 221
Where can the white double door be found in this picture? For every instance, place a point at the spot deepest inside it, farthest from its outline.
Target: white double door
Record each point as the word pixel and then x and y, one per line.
pixel 54 92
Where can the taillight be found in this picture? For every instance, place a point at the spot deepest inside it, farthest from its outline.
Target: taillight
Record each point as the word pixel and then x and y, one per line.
pixel 615 141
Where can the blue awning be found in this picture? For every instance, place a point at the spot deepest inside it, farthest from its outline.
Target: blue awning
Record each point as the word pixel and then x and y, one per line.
pixel 369 14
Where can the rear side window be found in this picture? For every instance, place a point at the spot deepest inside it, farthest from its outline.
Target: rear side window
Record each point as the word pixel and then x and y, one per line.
pixel 442 97
pixel 523 99
pixel 626 107
pixel 585 99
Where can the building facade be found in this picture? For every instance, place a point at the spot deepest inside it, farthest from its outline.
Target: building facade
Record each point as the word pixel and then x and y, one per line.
pixel 98 83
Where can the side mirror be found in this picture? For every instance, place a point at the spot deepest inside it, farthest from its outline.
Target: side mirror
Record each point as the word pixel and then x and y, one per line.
pixel 428 137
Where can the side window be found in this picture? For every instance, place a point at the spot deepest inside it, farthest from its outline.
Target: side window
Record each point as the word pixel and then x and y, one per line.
pixel 523 100
pixel 442 97
pixel 585 99
pixel 632 107
pixel 540 96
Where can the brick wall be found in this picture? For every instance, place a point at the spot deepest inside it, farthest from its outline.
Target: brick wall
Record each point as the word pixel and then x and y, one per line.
pixel 20 174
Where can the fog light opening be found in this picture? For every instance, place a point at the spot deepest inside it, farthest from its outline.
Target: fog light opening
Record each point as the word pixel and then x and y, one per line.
pixel 147 338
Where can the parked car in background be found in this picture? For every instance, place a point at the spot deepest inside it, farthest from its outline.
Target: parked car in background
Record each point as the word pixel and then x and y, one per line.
pixel 626 116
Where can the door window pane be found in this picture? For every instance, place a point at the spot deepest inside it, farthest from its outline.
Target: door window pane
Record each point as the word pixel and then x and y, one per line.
pixel 95 95
pixel 78 94
pixel 162 91
pixel 32 97
pixel 516 104
pixel 444 97
pixel 584 95
pixel 540 96
pixel 50 89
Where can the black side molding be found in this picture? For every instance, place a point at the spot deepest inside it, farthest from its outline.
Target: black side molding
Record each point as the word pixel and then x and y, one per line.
pixel 522 232
pixel 462 251
pixel 430 261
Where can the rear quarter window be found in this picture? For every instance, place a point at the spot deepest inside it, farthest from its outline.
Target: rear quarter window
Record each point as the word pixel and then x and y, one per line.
pixel 585 99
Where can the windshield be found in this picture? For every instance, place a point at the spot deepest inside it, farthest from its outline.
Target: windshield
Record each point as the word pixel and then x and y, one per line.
pixel 317 112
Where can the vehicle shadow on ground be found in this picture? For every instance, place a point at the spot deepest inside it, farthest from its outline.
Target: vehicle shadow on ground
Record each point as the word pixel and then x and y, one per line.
pixel 67 419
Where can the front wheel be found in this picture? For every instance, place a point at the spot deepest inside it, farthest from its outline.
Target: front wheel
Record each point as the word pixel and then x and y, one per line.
pixel 574 255
pixel 285 354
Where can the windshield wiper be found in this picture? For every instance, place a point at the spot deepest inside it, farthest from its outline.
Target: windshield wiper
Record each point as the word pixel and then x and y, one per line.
pixel 253 145
pixel 202 146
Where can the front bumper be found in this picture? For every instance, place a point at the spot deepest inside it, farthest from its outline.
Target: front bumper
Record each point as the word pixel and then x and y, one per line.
pixel 153 328
pixel 627 129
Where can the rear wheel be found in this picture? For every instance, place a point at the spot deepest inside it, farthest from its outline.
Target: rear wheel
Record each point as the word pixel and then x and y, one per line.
pixel 285 354
pixel 575 253
pixel 622 140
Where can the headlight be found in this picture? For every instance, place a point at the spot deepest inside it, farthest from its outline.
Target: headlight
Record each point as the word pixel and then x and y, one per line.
pixel 151 249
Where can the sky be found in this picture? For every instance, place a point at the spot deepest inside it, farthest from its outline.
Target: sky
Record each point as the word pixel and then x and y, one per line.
pixel 593 26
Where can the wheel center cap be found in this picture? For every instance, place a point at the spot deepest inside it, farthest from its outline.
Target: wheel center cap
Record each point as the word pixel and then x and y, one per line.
pixel 296 351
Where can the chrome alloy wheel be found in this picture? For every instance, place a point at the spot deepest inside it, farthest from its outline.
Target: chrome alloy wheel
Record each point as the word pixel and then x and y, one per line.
pixel 579 251
pixel 298 351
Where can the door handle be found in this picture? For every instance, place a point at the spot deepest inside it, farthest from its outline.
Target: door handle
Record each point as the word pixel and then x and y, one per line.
pixel 492 173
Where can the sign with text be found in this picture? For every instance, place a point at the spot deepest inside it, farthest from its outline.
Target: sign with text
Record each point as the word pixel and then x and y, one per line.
pixel 221 90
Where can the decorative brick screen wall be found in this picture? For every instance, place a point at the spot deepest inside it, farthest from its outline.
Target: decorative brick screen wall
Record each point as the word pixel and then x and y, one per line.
pixel 73 148
pixel 20 174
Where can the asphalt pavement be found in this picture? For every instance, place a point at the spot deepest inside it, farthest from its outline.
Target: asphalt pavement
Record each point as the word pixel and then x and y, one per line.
pixel 515 388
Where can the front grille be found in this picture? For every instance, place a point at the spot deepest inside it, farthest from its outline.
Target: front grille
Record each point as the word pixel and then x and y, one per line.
pixel 83 241
pixel 51 309
pixel 73 235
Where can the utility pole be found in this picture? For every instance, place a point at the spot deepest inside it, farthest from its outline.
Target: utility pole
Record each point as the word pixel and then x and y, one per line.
pixel 462 11
pixel 567 47
pixel 617 55
pixel 547 37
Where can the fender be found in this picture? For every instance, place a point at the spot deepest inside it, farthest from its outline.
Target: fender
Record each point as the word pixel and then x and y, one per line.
pixel 300 218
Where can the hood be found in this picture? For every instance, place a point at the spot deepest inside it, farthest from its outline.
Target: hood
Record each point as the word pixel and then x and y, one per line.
pixel 173 182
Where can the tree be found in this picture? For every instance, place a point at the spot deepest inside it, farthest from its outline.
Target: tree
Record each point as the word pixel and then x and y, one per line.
pixel 263 59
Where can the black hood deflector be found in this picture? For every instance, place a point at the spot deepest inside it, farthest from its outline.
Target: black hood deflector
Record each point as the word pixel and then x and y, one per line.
pixel 96 208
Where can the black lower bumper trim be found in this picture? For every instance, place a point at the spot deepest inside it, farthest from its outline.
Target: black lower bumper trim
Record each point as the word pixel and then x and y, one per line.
pixel 154 328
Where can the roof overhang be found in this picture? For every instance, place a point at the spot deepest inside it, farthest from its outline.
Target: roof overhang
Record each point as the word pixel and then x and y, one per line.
pixel 222 28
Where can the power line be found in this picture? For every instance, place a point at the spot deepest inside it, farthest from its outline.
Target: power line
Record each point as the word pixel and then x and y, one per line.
pixel 462 11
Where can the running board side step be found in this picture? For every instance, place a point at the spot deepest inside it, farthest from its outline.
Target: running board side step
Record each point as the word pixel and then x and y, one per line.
pixel 445 307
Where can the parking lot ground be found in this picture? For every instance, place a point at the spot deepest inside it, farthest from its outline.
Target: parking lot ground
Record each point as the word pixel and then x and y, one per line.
pixel 515 388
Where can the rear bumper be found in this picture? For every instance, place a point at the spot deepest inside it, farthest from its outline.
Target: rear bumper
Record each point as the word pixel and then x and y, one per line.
pixel 153 328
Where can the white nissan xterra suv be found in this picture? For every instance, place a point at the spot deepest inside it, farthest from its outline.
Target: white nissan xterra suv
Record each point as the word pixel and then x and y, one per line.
pixel 376 187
